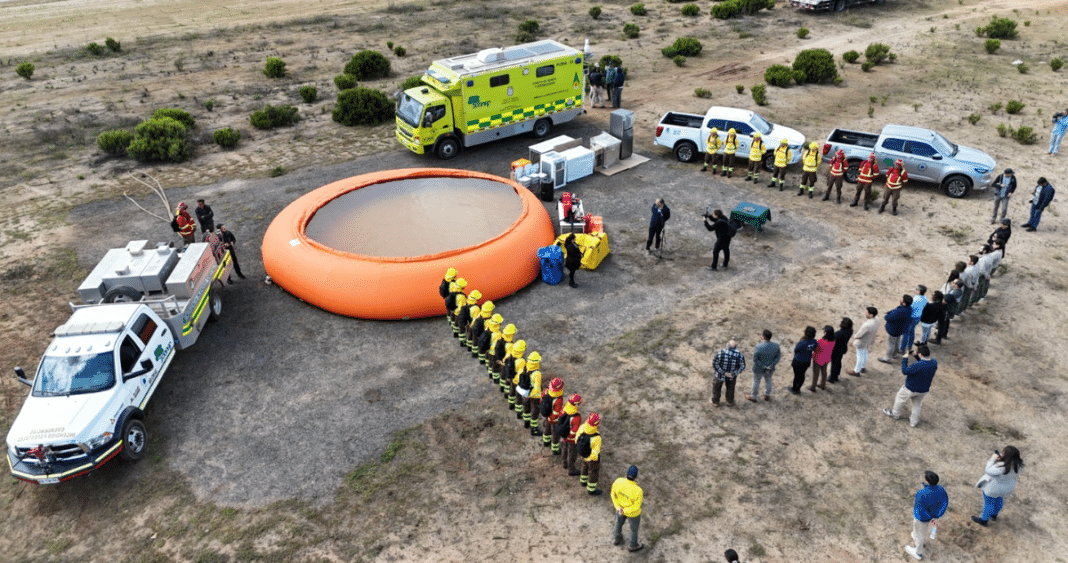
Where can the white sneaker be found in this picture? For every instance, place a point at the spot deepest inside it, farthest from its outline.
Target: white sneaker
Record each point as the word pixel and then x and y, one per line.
pixel 890 413
pixel 912 551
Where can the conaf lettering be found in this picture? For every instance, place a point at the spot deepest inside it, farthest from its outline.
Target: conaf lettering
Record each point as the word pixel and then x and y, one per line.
pixel 474 102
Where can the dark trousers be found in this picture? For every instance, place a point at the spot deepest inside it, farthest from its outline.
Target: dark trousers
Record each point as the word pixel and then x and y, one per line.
pixel 834 182
pixel 655 233
pixel 237 267
pixel 717 387
pixel 800 368
pixel 943 328
pixel 721 246
pixel 570 456
pixel 591 472
pixel 571 276
pixel 865 189
pixel 836 367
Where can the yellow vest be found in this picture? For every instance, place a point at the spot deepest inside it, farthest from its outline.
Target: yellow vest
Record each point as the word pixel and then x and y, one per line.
pixel 756 150
pixel 714 143
pixel 782 156
pixel 627 495
pixel 730 146
pixel 812 160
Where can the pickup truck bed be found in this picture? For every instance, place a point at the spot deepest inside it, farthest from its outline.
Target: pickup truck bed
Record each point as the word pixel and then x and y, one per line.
pixel 682 120
pixel 855 138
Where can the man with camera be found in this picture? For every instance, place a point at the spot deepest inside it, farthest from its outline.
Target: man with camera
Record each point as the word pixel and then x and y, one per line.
pixel 918 379
pixel 717 222
pixel 1060 124
pixel 660 215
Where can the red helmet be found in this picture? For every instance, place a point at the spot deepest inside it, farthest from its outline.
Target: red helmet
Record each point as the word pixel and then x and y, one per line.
pixel 871 156
pixel 575 399
pixel 840 153
pixel 593 420
pixel 556 384
pixel 899 162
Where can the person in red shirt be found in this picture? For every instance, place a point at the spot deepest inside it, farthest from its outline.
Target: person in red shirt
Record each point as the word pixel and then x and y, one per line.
pixel 865 174
pixel 821 356
pixel 187 228
pixel 835 175
pixel 896 178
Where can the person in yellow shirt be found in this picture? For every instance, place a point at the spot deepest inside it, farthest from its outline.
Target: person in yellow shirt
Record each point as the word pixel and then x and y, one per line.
pixel 782 159
pixel 627 499
pixel 810 162
pixel 589 449
pixel 514 364
pixel 730 146
pixel 532 406
pixel 756 158
pixel 524 387
pixel 712 147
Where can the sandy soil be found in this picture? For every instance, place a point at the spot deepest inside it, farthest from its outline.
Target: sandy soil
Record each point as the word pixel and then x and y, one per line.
pixel 815 478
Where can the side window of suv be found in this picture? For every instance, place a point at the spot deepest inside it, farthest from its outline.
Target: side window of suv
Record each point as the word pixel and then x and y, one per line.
pixel 740 128
pixel 894 145
pixel 718 124
pixel 920 149
pixel 129 351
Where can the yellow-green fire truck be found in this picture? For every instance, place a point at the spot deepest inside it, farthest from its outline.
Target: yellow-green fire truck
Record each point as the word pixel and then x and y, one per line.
pixel 495 93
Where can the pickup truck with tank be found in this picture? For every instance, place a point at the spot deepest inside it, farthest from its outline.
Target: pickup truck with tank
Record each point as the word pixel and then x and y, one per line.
pixel 825 5
pixel 88 395
pixel 686 134
pixel 927 157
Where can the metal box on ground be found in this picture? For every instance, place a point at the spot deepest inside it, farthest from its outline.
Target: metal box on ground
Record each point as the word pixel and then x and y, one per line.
pixel 610 146
pixel 579 163
pixel 622 128
pixel 557 144
pixel 554 165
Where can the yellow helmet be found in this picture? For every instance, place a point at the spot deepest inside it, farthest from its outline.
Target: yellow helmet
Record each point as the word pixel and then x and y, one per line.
pixel 508 330
pixel 784 141
pixel 756 134
pixel 731 131
pixel 713 131
pixel 518 348
pixel 487 309
pixel 461 300
pixel 461 282
pixel 534 357
pixel 474 296
pixel 813 145
pixel 497 318
pixel 450 274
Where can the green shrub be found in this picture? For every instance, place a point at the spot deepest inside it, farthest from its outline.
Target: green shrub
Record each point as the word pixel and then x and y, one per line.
pixel 685 46
pixel 759 92
pixel 160 140
pixel 270 117
pixel 114 142
pixel 992 45
pixel 690 10
pixel 702 93
pixel 595 12
pixel 995 107
pixel 1025 136
pixel 412 82
pixel 94 49
pixel 725 10
pixel 368 65
pixel 400 51
pixel 974 118
pixel 1003 131
pixel 362 106
pixel 345 81
pixel 802 33
pixel 1014 106
pixel 227 138
pixel 679 60
pixel 850 56
pixel 179 115
pixel 208 104
pixel 308 93
pixel 800 76
pixel 999 28
pixel 739 88
pixel 389 45
pixel 274 68
pixel 524 37
pixel 891 57
pixel 816 64
pixel 631 30
pixel 1055 64
pixel 837 81
pixel 610 60
pixel 867 66
pixel 529 26
pixel 26 69
pixel 876 53
pixel 1023 68
pixel 779 75
pixel 115 46
pixel 276 172
pixel 639 10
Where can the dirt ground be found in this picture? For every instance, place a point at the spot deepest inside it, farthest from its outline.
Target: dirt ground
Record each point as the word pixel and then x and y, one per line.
pixel 297 435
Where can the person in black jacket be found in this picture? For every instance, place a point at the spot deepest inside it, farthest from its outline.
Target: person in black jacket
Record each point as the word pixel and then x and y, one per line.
pixel 1004 185
pixel 229 240
pixel 572 258
pixel 596 80
pixel 205 216
pixel 660 215
pixel 841 345
pixel 718 222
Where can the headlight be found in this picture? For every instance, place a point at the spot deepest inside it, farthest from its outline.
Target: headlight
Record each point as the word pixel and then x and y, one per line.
pixel 982 171
pixel 96 442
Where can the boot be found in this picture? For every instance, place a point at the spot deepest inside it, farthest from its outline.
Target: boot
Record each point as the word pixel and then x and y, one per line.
pixel 827 195
pixel 724 171
pixel 810 192
pixel 782 185
pixel 772 184
pixel 801 191
pixel 839 199
pixel 756 179
pixel 730 172
pixel 855 203
pixel 893 211
pixel 705 169
pixel 882 208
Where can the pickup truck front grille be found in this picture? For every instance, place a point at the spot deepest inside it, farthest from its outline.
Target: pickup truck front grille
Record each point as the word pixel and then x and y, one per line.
pixel 60 453
pixel 405 131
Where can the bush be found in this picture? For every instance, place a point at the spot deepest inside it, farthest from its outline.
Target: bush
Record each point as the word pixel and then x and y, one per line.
pixel 160 140
pixel 1003 131
pixel 759 92
pixel 639 10
pixel 802 33
pixel 412 82
pixel 817 66
pixel 114 142
pixel 685 46
pixel 26 69
pixel 270 117
pixel 368 65
pixel 113 45
pixel 992 45
pixel 595 12
pixel 362 106
pixel 876 53
pixel 850 56
pixel 1025 136
pixel 274 68
pixel 995 107
pixel 610 60
pixel 631 30
pixel 999 28
pixel 725 10
pixel 800 77
pixel 702 93
pixel 679 60
pixel 208 104
pixel 179 115
pixel 690 10
pixel 1023 68
pixel 400 51
pixel 94 49
pixel 974 118
pixel 837 81
pixel 389 45
pixel 1055 64
pixel 227 138
pixel 739 88
pixel 1014 106
pixel 345 81
pixel 524 37
pixel 867 66
pixel 276 172
pixel 779 75
pixel 529 26
pixel 308 93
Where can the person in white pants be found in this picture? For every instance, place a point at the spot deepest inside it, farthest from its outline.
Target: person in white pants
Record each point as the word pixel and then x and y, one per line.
pixel 864 339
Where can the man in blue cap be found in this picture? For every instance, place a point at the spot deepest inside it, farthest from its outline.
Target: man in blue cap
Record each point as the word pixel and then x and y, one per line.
pixel 627 499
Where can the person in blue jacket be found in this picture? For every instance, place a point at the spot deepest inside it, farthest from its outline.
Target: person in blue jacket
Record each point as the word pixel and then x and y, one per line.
pixel 660 215
pixel 918 379
pixel 931 503
pixel 802 358
pixel 897 321
pixel 1042 197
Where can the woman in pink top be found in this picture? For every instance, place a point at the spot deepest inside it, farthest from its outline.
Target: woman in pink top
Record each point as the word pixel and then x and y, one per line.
pixel 821 356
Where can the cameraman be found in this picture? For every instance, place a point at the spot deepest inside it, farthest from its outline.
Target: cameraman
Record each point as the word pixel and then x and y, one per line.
pixel 1060 124
pixel 660 215
pixel 717 222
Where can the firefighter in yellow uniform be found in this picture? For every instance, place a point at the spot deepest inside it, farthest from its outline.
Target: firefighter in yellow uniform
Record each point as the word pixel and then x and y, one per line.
pixel 455 289
pixel 836 174
pixel 500 354
pixel 522 383
pixel 513 364
pixel 477 323
pixel 896 178
pixel 450 276
pixel 712 147
pixel 589 449
pixel 466 314
pixel 527 387
pixel 485 340
pixel 532 407
pixel 460 309
pixel 730 147
pixel 783 154
pixel 756 157
pixel 810 162
pixel 552 407
pixel 627 499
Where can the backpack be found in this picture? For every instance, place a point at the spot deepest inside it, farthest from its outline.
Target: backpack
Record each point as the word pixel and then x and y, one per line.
pixel 547 406
pixel 585 448
pixel 174 224
pixel 563 425
pixel 524 380
pixel 732 228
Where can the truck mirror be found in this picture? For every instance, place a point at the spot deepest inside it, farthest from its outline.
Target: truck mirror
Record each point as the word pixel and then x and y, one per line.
pixel 936 156
pixel 146 366
pixel 21 375
pixel 428 119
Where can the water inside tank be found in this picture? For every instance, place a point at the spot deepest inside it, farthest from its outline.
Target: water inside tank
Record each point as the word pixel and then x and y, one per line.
pixel 415 217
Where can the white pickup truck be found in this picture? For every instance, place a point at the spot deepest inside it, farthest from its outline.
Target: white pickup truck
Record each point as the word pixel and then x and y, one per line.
pixel 823 5
pixel 90 389
pixel 926 155
pixel 686 134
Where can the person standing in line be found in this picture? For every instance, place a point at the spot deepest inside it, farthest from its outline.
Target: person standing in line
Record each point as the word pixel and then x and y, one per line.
pixel 450 276
pixel 529 388
pixel 657 221
pixel 609 80
pixel 1041 199
pixel 732 556
pixel 186 227
pixel 627 499
pixel 205 216
pixel 951 299
pixel 618 79
pixel 867 172
pixel 931 503
pixel 552 408
pixel 897 320
pixel 997 482
pixel 513 366
pixel 478 327
pixel 730 148
pixel 810 162
pixel 1060 124
pixel 932 313
pixel 1004 185
pixel 1002 234
pixel 718 222
pixel 970 278
pixel 486 340
pixel 835 175
pixel 756 158
pixel 474 314
pixel 919 301
pixel 766 356
pixel 803 358
pixel 596 80
pixel 712 148
pixel 568 425
pixel 918 379
pixel 864 339
pixel 456 289
pixel 572 259
pixel 841 345
pixel 229 242
pixel 821 356
pixel 783 154
pixel 501 352
pixel 896 178
pixel 727 364
pixel 590 438
pixel 988 264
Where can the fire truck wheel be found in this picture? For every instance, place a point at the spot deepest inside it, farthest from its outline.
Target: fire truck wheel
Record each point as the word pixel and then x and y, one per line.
pixel 122 294
pixel 215 302
pixel 542 128
pixel 134 438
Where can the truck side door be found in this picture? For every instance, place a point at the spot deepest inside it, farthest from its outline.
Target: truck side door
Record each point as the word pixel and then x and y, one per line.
pixel 745 136
pixel 889 150
pixel 925 163
pixel 157 349
pixel 434 118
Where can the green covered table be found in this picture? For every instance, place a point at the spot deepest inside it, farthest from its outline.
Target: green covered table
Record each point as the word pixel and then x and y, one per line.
pixel 751 214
